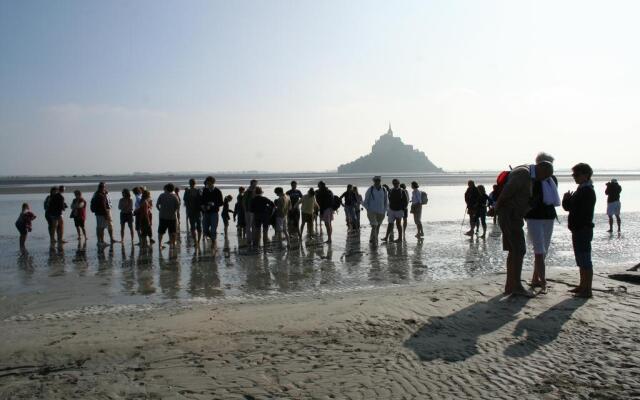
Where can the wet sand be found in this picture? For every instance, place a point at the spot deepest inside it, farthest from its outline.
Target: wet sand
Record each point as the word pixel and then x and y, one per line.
pixel 452 340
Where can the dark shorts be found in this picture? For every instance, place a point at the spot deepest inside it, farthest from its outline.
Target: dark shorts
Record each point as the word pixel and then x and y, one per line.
pixel 225 219
pixel 166 224
pixel 78 222
pixel 145 229
pixel 262 220
pixel 512 234
pixel 126 218
pixel 21 228
pixel 581 240
pixel 195 221
pixel 307 218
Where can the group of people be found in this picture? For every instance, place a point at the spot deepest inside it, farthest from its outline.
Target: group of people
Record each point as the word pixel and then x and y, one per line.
pixel 527 193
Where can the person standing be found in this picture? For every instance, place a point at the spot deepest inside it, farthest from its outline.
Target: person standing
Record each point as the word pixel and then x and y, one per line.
pixel 168 205
pixel 283 208
pixel 248 214
pixel 294 214
pixel 580 205
pixel 481 211
pixel 308 205
pixel 192 199
pixel 349 202
pixel 325 199
pixel 238 213
pixel 23 224
pixel 176 191
pixel 144 216
pixel 52 213
pixel 211 203
pixel 512 206
pixel 471 196
pixel 376 202
pixel 540 221
pixel 357 207
pixel 125 205
pixel 398 201
pixel 79 214
pixel 262 210
pixel 416 208
pixel 613 203
pixel 102 209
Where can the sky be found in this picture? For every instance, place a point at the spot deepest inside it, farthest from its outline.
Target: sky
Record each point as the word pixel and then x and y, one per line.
pixel 153 86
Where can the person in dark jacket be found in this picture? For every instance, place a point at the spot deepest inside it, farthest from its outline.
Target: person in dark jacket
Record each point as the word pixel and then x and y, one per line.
pixel 262 210
pixel 481 211
pixel 580 205
pixel 192 200
pixel 101 207
pixel 324 197
pixel 398 201
pixel 210 202
pixel 471 197
pixel 613 203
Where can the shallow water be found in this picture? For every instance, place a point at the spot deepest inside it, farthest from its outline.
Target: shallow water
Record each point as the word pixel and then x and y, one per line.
pixel 46 280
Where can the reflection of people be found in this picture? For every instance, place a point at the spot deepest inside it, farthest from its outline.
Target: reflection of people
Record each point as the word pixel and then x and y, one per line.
pixel 512 206
pixel 613 202
pixel 580 205
pixel 540 220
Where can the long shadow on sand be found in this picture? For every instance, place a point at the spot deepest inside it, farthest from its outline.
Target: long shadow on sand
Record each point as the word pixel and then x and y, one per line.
pixel 542 329
pixel 454 337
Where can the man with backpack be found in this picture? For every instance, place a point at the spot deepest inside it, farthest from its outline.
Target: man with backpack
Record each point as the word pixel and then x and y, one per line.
pixel 513 203
pixel 376 202
pixel 397 203
pixel 418 199
pixel 327 202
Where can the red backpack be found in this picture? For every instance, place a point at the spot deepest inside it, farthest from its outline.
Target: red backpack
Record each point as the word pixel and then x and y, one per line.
pixel 501 181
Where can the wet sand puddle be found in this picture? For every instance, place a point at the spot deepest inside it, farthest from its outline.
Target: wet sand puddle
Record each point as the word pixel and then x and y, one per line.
pixel 80 275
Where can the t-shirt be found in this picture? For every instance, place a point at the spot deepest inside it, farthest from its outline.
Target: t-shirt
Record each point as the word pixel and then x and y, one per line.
pixel 398 199
pixel 192 199
pixel 350 198
pixel 283 205
pixel 79 208
pixel 261 205
pixel 294 195
pixel 125 205
pixel 613 192
pixel 324 197
pixel 308 204
pixel 168 204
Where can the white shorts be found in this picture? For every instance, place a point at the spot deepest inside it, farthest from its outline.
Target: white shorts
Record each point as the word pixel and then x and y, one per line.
pixel 539 232
pixel 613 208
pixel 394 215
pixel 281 224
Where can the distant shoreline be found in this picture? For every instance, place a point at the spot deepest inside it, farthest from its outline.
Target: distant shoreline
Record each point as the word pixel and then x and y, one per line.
pixel 26 185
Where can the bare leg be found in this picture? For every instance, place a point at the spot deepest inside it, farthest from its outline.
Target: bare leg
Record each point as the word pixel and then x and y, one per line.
pixel 618 221
pixel 60 231
pixel 399 226
pixel 610 224
pixel 538 278
pixel 23 240
pixel 389 232
pixel 329 231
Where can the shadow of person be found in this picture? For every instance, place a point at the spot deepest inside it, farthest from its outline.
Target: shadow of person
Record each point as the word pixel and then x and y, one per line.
pixel 542 329
pixel 455 337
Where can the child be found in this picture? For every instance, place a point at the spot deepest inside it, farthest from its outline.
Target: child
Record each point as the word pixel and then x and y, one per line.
pixel 580 205
pixel 24 224
pixel 144 214
pixel 125 205
pixel 79 214
pixel 226 211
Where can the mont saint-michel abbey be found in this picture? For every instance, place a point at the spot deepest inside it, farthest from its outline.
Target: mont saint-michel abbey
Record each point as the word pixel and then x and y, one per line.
pixel 390 154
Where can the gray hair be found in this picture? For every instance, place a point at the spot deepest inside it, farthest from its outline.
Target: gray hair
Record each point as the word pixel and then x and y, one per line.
pixel 542 156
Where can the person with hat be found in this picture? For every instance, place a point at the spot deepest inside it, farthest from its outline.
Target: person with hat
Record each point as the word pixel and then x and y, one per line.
pixel 376 202
pixel 613 203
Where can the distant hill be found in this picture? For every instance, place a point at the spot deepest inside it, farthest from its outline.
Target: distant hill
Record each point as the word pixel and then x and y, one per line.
pixel 390 154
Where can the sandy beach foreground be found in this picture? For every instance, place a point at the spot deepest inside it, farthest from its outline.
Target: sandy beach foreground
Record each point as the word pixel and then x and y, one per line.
pixel 451 340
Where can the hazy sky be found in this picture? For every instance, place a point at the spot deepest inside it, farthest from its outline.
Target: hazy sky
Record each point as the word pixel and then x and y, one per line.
pixel 123 86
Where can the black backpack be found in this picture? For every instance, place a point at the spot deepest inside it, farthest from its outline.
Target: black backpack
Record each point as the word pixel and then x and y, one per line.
pixel 93 204
pixel 336 203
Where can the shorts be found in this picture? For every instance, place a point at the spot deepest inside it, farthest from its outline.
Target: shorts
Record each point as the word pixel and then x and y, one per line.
pixel 416 210
pixel 281 224
pixel 262 220
pixel 581 240
pixel 327 215
pixel 394 215
pixel 166 224
pixel 539 232
pixel 126 218
pixel 512 234
pixel 613 208
pixel 145 229
pixel 375 219
pixel 225 219
pixel 103 222
pixel 307 218
pixel 21 228
pixel 195 221
pixel 78 222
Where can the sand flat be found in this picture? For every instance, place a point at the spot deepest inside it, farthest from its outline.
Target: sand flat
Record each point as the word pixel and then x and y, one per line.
pixel 449 340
